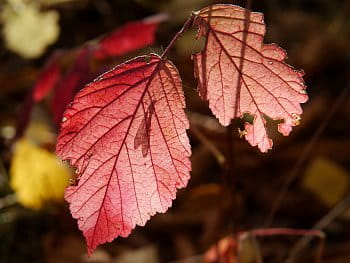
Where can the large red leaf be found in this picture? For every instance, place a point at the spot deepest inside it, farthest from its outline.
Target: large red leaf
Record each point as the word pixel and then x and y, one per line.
pixel 262 85
pixel 126 135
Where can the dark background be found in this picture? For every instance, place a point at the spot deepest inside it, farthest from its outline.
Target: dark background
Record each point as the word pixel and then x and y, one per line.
pixel 316 35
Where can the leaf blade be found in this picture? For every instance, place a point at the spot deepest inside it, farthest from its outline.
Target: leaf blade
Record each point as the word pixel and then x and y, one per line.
pixel 130 37
pixel 119 186
pixel 48 78
pixel 267 86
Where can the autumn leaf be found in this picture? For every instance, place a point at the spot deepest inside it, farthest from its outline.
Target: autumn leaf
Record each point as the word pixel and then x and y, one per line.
pixel 327 180
pixel 126 135
pixel 130 37
pixel 28 31
pixel 48 78
pixel 75 79
pixel 239 74
pixel 37 176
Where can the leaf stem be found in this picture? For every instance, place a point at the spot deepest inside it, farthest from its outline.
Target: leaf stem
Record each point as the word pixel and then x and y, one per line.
pixel 186 25
pixel 230 180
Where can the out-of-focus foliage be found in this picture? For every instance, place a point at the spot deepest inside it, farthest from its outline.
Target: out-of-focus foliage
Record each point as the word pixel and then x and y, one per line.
pixel 28 31
pixel 173 7
pixel 37 175
pixel 39 133
pixel 327 180
pixel 55 2
pixel 224 250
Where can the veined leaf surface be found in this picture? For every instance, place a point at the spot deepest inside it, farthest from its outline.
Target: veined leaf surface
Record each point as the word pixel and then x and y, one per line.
pixel 239 74
pixel 126 135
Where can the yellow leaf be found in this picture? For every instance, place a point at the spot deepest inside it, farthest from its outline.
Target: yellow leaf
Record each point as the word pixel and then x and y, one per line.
pixel 27 31
pixel 327 180
pixel 37 175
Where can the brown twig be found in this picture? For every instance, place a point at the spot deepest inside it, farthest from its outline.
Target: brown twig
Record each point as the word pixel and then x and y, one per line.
pixel 186 25
pixel 209 145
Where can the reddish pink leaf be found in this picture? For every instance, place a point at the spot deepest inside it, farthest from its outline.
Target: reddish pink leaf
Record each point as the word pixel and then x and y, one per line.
pixel 267 86
pixel 126 135
pixel 47 79
pixel 75 79
pixel 130 37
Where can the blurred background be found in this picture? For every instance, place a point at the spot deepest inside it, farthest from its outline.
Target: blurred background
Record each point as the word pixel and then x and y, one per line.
pixel 50 49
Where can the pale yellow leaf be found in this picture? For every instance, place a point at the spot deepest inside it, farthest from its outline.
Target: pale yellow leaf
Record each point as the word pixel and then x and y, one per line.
pixel 327 180
pixel 37 175
pixel 27 31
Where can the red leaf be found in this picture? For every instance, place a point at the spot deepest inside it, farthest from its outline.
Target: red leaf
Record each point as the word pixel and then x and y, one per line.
pixel 48 78
pixel 75 79
pixel 126 135
pixel 267 86
pixel 130 37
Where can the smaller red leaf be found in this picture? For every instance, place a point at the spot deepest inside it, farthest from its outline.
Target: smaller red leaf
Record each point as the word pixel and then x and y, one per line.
pixel 130 37
pixel 48 78
pixel 77 76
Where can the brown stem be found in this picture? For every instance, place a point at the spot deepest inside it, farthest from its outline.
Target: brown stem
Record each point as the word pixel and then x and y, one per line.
pixel 186 25
pixel 220 158
pixel 230 180
pixel 282 231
